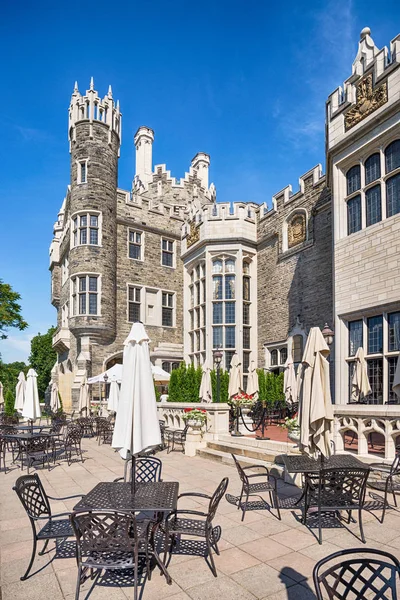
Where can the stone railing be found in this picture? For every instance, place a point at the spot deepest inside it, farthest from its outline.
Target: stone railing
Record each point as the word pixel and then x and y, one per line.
pixel 363 420
pixel 217 422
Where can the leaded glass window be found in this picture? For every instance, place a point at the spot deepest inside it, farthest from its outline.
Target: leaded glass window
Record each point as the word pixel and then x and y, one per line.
pixel 375 334
pixel 372 168
pixel 394 331
pixel 135 245
pixel 393 195
pixel 373 205
pixel 375 376
pixel 167 309
pixel 246 338
pixel 353 179
pixel 355 336
pixel 392 156
pixel 354 215
pixel 133 304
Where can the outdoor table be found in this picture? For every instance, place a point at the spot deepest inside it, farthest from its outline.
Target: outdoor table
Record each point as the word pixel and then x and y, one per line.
pixel 305 464
pixel 24 437
pixel 31 427
pixel 158 497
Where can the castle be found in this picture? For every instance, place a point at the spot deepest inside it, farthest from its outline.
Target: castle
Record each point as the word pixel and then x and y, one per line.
pixel 241 277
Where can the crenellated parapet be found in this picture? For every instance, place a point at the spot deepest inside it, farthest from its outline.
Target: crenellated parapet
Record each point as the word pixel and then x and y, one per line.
pixel 371 88
pixel 281 200
pixel 218 222
pixel 93 109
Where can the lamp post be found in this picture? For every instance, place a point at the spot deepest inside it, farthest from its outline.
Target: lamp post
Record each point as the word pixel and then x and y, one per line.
pixel 217 356
pixel 328 334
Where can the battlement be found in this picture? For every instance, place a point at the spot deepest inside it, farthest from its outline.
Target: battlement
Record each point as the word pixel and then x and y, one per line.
pixel 310 179
pixel 91 108
pixel 155 205
pixel 372 86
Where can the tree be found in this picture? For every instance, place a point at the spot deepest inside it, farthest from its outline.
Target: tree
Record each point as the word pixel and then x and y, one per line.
pixel 42 359
pixel 10 310
pixel 9 375
pixel 9 401
pixel 173 387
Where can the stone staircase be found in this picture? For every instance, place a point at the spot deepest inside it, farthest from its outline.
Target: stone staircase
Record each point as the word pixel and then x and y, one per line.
pixel 249 451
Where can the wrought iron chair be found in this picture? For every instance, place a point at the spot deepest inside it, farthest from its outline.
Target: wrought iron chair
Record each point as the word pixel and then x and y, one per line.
pixel 3 450
pixel 336 490
pixel 176 436
pixel 146 470
pixel 105 431
pixel 72 443
pixel 178 523
pixel 389 481
pixel 254 489
pixel 355 576
pixel 36 503
pixel 35 450
pixel 110 540
pixel 86 423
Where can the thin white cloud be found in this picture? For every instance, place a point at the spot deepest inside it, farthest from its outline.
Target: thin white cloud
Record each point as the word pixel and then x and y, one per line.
pixel 15 348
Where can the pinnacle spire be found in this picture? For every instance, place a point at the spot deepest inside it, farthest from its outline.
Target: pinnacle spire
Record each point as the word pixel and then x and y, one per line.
pixel 91 83
pixel 109 91
pixel 76 87
pixel 117 104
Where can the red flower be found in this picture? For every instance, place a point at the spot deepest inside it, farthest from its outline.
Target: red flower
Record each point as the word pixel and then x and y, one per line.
pixel 186 410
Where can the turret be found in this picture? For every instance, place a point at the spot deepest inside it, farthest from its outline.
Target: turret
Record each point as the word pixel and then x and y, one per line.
pixel 201 163
pixel 95 137
pixel 144 138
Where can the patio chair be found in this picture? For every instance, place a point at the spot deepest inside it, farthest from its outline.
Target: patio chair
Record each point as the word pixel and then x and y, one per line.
pixel 35 450
pixel 3 450
pixel 176 436
pixel 110 540
pixel 355 574
pixel 335 490
pixel 146 470
pixel 86 423
pixel 105 431
pixel 389 481
pixel 254 489
pixel 36 503
pixel 195 523
pixel 72 442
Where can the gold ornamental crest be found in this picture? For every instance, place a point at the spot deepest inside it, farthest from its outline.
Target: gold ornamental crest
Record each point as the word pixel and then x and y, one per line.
pixel 368 100
pixel 194 235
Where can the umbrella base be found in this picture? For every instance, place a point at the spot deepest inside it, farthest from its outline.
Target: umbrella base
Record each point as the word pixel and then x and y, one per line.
pixel 237 434
pixel 262 438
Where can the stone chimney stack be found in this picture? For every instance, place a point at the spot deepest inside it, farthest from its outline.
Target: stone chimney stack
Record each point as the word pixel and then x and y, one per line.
pixel 144 138
pixel 200 163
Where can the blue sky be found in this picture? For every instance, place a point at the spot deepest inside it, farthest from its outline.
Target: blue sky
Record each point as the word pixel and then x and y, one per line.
pixel 245 82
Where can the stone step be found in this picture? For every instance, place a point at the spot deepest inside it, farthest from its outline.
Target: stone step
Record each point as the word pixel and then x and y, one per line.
pixel 226 458
pixel 241 451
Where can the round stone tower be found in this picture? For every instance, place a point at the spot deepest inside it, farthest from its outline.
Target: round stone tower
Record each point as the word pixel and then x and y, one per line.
pixel 95 138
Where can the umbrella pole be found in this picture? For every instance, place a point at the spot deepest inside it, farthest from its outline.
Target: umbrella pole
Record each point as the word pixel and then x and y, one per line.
pixel 133 479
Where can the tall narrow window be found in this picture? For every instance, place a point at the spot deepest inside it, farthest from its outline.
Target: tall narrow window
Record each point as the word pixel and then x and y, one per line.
pixel 394 331
pixel 354 215
pixel 393 195
pixel 82 171
pixel 167 253
pixel 372 168
pixel 135 245
pixel 392 156
pixel 297 348
pixel 353 179
pixel 133 304
pixel 373 205
pixel 375 334
pixel 85 295
pixel 355 336
pixel 167 309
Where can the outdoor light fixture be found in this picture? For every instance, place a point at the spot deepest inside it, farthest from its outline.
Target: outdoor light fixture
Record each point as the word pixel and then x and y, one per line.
pixel 217 356
pixel 328 334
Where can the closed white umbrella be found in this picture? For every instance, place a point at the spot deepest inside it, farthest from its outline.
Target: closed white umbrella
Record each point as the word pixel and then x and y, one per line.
pixel 290 381
pixel 84 397
pixel 136 424
pixel 113 397
pixel 20 392
pixel 360 387
pixel 252 387
pixel 205 392
pixel 235 377
pixel 31 408
pixel 54 397
pixel 1 394
pixel 315 406
pixel 396 380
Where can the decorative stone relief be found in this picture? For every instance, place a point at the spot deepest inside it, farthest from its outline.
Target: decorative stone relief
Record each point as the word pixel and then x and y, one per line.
pixel 368 100
pixel 194 235
pixel 297 230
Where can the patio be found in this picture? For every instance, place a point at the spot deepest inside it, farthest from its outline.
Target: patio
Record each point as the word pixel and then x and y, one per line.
pixel 260 558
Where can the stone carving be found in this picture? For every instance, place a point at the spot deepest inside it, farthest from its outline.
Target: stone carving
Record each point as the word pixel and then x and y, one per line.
pixel 194 235
pixel 296 230
pixel 368 100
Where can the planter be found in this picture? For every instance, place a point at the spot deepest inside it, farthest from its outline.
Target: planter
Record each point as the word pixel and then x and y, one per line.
pixel 195 424
pixel 294 435
pixel 248 420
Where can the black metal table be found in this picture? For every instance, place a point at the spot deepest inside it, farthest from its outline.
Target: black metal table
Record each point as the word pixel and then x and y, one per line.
pixel 159 497
pixel 26 437
pixel 304 464
pixel 31 428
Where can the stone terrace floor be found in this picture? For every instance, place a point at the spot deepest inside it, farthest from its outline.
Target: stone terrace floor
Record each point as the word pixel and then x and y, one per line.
pixel 260 558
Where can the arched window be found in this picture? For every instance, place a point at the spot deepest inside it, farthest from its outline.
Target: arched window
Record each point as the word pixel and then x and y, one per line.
pixel 353 177
pixel 175 365
pixel 274 358
pixel 297 348
pixel 373 205
pixel 283 356
pixel 246 268
pixel 393 195
pixel 392 156
pixel 217 266
pixel 372 168
pixel 229 266
pixel 354 215
pixel 166 366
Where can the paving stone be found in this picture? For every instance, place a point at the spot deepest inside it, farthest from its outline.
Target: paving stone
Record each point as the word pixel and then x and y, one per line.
pixel 265 549
pixel 221 588
pixel 234 560
pixel 262 580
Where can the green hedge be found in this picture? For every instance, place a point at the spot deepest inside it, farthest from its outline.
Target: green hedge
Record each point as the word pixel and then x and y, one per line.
pixel 184 384
pixel 271 387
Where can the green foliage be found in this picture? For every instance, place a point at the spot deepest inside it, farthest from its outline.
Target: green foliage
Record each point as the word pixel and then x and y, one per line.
pixel 42 359
pixel 9 403
pixel 184 384
pixel 9 375
pixel 173 387
pixel 224 378
pixel 157 392
pixel 10 310
pixel 271 388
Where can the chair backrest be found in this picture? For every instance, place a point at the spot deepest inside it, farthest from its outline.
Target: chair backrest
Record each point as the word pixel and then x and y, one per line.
pixel 34 499
pixel 356 574
pixel 395 466
pixel 37 443
pixel 243 477
pixel 74 436
pixel 216 499
pixel 147 469
pixel 104 531
pixel 334 485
